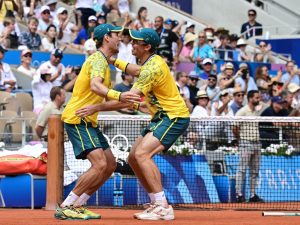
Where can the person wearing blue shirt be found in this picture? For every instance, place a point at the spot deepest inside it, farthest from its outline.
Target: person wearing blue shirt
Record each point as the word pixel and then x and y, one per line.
pixel 202 51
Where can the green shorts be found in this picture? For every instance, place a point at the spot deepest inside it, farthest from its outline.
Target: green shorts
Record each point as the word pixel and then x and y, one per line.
pixel 85 138
pixel 166 130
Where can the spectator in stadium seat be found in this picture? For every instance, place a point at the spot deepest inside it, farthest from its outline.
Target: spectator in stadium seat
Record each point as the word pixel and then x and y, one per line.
pixel 192 86
pixel 89 46
pixel 41 87
pixel 201 109
pixel 167 37
pixel 245 81
pixel 264 53
pixel 238 99
pixel 83 35
pixel 52 7
pixel 269 132
pixel 292 74
pixel 45 19
pixel 125 53
pixel 26 59
pixel 201 51
pixel 86 10
pixel 66 29
pixel 291 102
pixel 249 145
pixel 49 42
pixel 243 55
pixel 188 45
pixel 57 69
pixel 31 8
pixel 142 21
pixel 181 81
pixel 31 39
pixel 251 28
pixel 58 97
pixel 233 38
pixel 207 65
pixel 211 88
pixel 71 77
pixel 8 81
pixel 262 80
pixel 224 50
pixel 9 37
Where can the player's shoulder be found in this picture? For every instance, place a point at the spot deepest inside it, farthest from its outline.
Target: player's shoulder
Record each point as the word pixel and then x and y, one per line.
pixel 97 56
pixel 154 63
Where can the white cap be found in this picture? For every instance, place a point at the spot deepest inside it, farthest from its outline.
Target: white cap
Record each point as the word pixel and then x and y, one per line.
pixel 207 60
pixel 189 24
pixel 61 10
pixel 241 41
pixel 229 66
pixel 92 18
pixel 44 8
pixel 49 2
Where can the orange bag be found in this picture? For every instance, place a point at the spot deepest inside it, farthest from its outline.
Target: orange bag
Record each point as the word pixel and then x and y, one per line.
pixel 19 164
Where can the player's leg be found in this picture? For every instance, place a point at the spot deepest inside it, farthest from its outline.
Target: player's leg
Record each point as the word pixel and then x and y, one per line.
pixel 86 144
pixel 163 136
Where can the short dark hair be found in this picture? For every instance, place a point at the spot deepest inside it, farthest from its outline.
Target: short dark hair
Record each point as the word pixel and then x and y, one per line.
pixel 56 90
pixel 251 93
pixel 252 10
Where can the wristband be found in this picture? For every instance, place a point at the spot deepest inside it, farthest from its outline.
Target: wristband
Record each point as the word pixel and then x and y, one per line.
pixel 136 106
pixel 113 95
pixel 122 65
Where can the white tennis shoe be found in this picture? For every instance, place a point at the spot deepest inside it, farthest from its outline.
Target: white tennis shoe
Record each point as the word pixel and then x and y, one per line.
pixel 156 212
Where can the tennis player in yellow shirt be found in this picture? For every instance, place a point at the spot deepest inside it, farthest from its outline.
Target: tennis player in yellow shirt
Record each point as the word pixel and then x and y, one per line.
pixel 92 86
pixel 170 118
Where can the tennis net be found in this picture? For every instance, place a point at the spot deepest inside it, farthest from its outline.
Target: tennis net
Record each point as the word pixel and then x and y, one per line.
pixel 219 162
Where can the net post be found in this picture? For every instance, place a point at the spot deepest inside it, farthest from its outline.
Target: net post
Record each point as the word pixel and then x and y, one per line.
pixel 55 163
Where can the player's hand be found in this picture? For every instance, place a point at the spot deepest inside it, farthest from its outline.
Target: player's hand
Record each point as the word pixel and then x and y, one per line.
pixel 112 60
pixel 86 111
pixel 129 97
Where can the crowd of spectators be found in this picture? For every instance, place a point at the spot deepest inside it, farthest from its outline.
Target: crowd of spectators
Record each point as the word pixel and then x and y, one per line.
pixel 206 90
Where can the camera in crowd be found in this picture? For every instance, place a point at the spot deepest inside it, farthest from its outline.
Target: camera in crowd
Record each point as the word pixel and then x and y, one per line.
pixel 245 73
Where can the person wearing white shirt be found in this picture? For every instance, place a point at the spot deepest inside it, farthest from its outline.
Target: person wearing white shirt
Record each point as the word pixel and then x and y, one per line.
pixel 125 53
pixel 52 5
pixel 203 100
pixel 66 29
pixel 291 75
pixel 26 59
pixel 41 87
pixel 49 42
pixel 222 108
pixel 45 19
pixel 57 69
pixel 7 78
pixel 86 9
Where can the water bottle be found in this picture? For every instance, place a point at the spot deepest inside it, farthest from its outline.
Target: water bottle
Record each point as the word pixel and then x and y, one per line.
pixel 118 197
pixel 118 190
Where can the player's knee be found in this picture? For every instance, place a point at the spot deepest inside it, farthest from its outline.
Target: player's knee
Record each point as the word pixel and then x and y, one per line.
pixel 138 156
pixel 100 166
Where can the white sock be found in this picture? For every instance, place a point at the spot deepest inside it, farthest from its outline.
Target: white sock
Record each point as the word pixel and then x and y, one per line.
pixel 160 198
pixel 82 199
pixel 151 196
pixel 72 197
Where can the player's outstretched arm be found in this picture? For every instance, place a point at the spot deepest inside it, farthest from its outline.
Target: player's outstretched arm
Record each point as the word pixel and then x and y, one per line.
pixel 105 106
pixel 126 67
pixel 100 89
